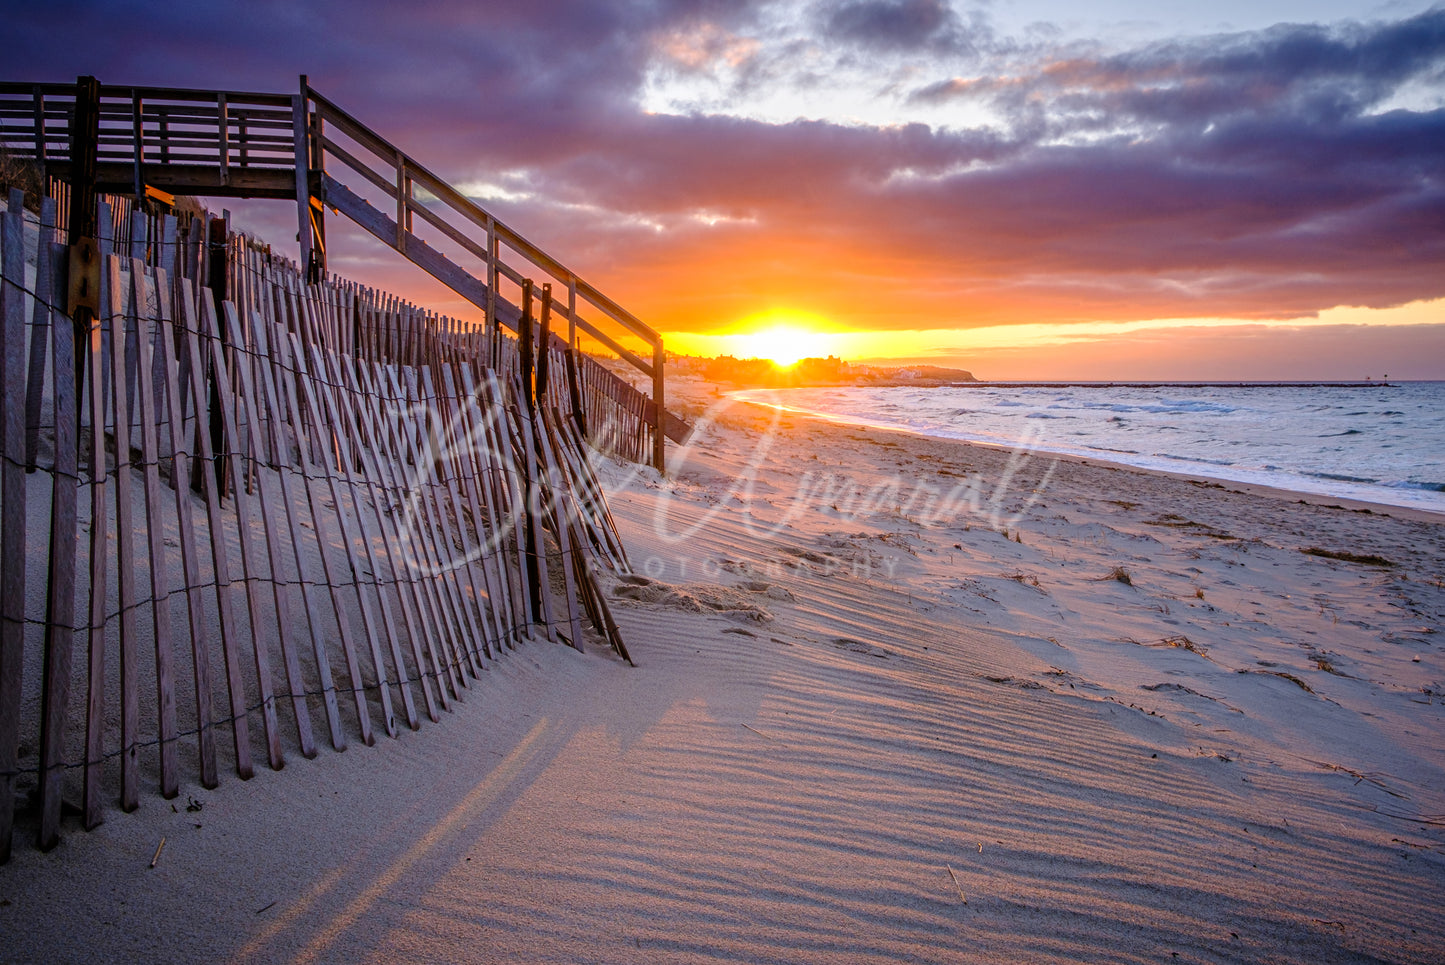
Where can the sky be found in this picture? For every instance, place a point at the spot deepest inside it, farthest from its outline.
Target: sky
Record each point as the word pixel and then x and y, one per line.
pixel 1033 189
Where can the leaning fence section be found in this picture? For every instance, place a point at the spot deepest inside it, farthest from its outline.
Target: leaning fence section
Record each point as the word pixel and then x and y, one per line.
pixel 241 515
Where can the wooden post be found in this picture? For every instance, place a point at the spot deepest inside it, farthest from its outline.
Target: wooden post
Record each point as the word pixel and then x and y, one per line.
pixel 138 136
pixel 308 222
pixel 659 440
pixel 84 138
pixel 544 346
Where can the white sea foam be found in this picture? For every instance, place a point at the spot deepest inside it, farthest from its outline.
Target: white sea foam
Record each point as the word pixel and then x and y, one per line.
pixel 1381 443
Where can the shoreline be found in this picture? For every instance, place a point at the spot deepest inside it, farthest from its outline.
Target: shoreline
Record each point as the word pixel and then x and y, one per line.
pixel 1284 492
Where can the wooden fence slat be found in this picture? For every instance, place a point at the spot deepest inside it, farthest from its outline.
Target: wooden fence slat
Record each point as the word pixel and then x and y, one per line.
pixel 221 571
pixel 39 333
pixel 96 371
pixel 511 482
pixel 561 528
pixel 190 570
pixel 12 512
pixel 60 598
pixel 160 598
pixel 250 576
pixel 119 291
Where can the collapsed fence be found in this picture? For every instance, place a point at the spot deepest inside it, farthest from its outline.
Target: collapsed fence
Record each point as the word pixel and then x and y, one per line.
pixel 235 505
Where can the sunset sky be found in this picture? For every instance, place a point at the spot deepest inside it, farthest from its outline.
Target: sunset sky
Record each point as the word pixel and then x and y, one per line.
pixel 1030 190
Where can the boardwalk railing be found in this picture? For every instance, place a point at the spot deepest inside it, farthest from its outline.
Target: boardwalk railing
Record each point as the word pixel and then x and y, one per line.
pixel 161 142
pixel 227 520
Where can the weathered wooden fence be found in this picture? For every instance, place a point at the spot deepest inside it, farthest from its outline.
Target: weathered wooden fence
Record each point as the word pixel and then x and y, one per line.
pixel 234 506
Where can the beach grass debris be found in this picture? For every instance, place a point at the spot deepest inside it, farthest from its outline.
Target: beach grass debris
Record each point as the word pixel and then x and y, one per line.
pixel 1287 676
pixel 1365 559
pixel 157 856
pixel 1184 643
pixel 956 885
pixel 1118 574
pixel 761 734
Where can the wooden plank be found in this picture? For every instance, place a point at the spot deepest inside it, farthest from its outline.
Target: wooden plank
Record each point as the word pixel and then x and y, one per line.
pixel 282 589
pixel 60 599
pixel 39 332
pixel 159 566
pixel 190 569
pixel 12 511
pixel 118 292
pixel 220 553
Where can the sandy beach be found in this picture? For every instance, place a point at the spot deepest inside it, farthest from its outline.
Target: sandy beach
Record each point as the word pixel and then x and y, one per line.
pixel 897 699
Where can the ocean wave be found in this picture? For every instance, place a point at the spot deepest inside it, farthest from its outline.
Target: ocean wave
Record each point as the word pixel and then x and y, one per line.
pixel 1429 487
pixel 1347 432
pixel 1341 477
pixel 1199 459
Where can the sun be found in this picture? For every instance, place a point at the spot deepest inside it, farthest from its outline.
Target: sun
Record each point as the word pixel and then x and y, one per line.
pixel 783 339
pixel 784 345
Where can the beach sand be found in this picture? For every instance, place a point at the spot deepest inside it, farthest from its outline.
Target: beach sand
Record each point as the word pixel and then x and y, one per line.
pixel 897 699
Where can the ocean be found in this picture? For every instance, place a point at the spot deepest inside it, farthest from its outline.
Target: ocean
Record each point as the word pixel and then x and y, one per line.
pixel 1381 443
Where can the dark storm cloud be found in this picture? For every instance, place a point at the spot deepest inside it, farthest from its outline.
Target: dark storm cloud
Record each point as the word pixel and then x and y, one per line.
pixel 905 25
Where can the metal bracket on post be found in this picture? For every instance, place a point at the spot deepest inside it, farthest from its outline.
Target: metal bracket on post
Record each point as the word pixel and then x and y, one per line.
pixel 83 279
